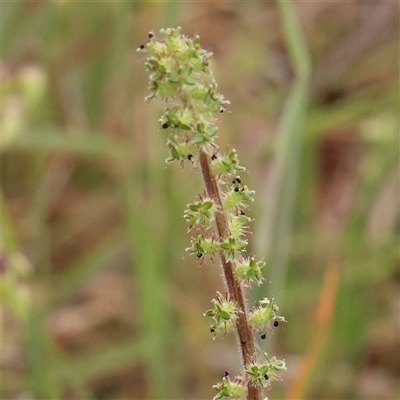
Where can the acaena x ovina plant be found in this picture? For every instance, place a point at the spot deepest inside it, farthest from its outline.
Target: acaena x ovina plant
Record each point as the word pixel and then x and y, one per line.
pixel 179 73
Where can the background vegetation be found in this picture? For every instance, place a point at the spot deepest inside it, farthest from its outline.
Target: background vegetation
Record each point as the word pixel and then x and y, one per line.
pixel 99 299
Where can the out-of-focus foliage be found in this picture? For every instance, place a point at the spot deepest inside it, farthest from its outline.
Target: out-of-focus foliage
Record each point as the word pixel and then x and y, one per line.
pixel 98 301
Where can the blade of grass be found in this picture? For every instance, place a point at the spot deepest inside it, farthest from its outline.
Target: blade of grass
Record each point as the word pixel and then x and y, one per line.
pixel 275 228
pixel 38 343
pixel 83 368
pixel 147 252
pixel 39 352
pixel 149 231
pixel 13 266
pixel 79 142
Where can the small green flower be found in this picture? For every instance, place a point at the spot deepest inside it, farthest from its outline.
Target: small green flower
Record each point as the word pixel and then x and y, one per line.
pixel 232 248
pixel 236 197
pixel 224 310
pixel 237 225
pixel 201 212
pixel 203 246
pixel 186 119
pixel 236 389
pixel 275 364
pixel 262 372
pixel 227 165
pixel 263 313
pixel 258 373
pixel 204 135
pixel 249 270
pixel 181 151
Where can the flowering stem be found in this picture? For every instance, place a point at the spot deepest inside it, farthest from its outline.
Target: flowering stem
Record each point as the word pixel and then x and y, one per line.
pixel 246 340
pixel 179 73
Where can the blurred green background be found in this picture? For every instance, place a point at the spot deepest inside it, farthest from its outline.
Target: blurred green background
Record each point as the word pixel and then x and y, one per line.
pixel 99 300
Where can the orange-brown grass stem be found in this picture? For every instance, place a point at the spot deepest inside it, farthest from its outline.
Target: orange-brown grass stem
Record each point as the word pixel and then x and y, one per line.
pixel 322 324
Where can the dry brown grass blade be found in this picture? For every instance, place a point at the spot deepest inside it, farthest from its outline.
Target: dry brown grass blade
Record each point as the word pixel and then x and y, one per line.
pixel 322 323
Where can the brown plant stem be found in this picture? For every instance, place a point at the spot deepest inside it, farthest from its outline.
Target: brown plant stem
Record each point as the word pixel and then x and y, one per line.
pixel 244 333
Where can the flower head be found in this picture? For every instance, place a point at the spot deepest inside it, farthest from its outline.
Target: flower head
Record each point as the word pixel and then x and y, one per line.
pixel 179 72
